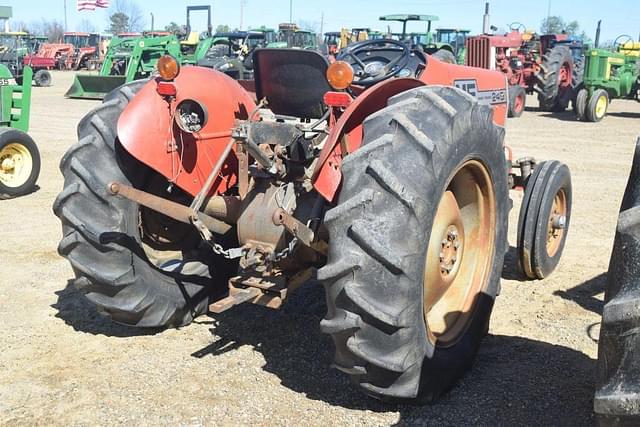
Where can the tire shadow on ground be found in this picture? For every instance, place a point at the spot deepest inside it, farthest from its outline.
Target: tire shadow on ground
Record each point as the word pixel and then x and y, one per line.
pixel 79 313
pixel 585 293
pixel 514 381
pixel 510 268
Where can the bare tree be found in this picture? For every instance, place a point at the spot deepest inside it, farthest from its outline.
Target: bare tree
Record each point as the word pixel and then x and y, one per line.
pixel 131 10
pixel 86 26
pixel 52 29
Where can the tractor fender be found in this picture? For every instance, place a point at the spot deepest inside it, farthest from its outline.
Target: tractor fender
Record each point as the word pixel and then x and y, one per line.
pixel 327 174
pixel 489 87
pixel 148 131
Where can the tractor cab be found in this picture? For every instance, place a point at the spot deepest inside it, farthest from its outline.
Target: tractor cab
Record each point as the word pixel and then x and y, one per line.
pixel 404 36
pixel 232 53
pixel 331 43
pixel 455 38
pixel 292 36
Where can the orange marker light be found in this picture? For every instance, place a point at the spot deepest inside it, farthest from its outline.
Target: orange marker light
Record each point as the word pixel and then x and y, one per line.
pixel 340 75
pixel 168 67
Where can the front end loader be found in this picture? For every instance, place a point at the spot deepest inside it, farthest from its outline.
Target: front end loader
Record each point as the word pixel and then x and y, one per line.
pixel 382 175
pixel 127 59
pixel 19 155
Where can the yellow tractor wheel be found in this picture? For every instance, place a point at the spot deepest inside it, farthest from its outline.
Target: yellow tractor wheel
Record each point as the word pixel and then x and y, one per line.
pixel 19 163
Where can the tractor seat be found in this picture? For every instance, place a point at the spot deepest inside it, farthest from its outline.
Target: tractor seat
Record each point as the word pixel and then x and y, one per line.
pixel 292 80
pixel 192 40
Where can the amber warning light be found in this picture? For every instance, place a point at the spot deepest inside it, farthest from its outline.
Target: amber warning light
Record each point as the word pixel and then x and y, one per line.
pixel 340 75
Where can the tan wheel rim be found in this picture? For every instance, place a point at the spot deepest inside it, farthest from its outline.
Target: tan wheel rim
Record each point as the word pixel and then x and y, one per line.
pixel 460 253
pixel 557 222
pixel 16 164
pixel 601 106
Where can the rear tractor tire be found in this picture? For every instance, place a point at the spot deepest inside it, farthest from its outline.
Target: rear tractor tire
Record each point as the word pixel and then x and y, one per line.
pixel 19 163
pixel 42 78
pixel 544 219
pixel 137 266
pixel 617 397
pixel 517 101
pixel 417 242
pixel 556 79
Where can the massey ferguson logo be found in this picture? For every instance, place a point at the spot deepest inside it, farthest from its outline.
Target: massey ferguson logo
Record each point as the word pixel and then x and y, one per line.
pixel 469 86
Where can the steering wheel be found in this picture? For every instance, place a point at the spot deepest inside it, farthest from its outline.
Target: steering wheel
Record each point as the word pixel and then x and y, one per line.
pixel 369 71
pixel 516 26
pixel 621 40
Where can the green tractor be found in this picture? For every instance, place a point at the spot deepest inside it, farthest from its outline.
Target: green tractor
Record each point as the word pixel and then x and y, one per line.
pixel 608 75
pixel 19 156
pixel 135 58
pixel 292 36
pixel 455 38
pixel 427 41
pixel 127 59
pixel 232 53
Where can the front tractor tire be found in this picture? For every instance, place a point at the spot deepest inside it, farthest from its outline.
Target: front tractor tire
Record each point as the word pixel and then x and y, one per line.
pixel 19 163
pixel 417 242
pixel 132 272
pixel 42 78
pixel 517 101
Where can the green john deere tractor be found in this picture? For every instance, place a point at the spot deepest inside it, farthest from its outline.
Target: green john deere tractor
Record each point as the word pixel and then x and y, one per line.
pixel 134 58
pixel 426 41
pixel 456 39
pixel 608 75
pixel 292 36
pixel 19 156
pixel 127 59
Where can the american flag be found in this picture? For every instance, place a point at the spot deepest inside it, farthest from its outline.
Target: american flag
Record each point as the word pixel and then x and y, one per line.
pixel 92 4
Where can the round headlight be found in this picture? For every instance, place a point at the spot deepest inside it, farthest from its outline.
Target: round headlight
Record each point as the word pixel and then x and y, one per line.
pixel 191 116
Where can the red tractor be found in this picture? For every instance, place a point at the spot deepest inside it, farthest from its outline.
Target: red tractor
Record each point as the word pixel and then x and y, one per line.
pixel 519 55
pixel 382 175
pixel 89 49
pixel 50 56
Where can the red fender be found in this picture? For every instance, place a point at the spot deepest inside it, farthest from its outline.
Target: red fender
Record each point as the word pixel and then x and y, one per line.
pixel 486 85
pixel 147 131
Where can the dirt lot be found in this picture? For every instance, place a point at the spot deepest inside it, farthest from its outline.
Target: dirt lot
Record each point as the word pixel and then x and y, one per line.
pixel 62 363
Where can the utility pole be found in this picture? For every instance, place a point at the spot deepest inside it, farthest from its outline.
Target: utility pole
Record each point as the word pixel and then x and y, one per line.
pixel 548 14
pixel 321 24
pixel 243 3
pixel 65 15
pixel 152 21
pixel 291 11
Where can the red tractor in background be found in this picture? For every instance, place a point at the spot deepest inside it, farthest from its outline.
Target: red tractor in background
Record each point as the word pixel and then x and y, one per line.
pixel 546 65
pixel 50 56
pixel 382 175
pixel 90 49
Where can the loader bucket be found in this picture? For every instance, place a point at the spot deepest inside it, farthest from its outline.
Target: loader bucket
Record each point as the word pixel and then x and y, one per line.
pixel 93 86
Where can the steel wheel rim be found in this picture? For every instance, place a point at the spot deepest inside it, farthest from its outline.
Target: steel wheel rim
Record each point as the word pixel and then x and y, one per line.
pixel 460 253
pixel 601 106
pixel 565 76
pixel 519 103
pixel 557 222
pixel 16 164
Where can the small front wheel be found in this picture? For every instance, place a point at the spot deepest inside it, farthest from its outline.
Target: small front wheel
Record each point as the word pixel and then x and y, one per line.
pixel 598 105
pixel 19 163
pixel 580 105
pixel 544 219
pixel 42 78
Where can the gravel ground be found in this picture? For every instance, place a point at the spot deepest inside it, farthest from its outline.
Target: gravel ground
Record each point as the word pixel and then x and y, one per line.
pixel 62 363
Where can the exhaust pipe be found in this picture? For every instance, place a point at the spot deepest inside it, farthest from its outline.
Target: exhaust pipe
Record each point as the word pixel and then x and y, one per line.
pixel 596 43
pixel 485 19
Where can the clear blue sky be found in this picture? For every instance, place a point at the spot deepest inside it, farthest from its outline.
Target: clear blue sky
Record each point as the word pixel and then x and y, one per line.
pixel 618 16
